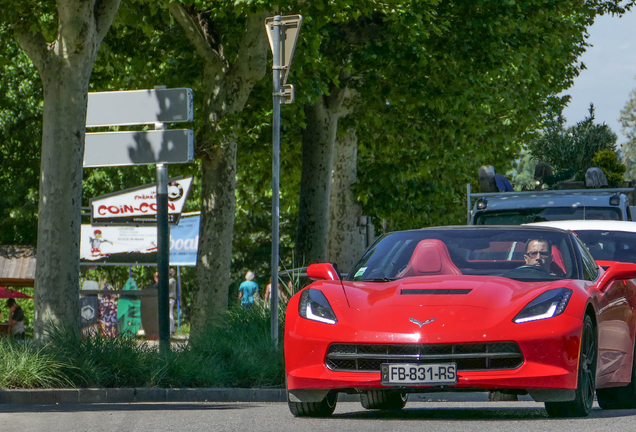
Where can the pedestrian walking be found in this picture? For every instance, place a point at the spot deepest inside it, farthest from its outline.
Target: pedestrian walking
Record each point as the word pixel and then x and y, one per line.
pixel 248 290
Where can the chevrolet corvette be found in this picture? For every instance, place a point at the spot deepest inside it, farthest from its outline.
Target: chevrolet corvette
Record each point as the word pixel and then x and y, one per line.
pixel 519 310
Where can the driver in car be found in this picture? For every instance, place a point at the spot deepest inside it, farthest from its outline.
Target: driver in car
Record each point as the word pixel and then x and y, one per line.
pixel 539 254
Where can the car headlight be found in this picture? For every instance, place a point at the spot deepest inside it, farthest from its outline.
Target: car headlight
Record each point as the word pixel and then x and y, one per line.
pixel 549 304
pixel 313 305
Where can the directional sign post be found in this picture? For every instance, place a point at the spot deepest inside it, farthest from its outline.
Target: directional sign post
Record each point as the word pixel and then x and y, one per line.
pixel 282 32
pixel 161 146
pixel 103 149
pixel 139 107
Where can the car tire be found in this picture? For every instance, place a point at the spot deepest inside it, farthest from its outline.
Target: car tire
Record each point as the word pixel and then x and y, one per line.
pixel 619 397
pixel 324 408
pixel 383 399
pixel 581 406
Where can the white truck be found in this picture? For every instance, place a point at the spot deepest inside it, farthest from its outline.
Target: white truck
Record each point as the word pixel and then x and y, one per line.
pixel 514 208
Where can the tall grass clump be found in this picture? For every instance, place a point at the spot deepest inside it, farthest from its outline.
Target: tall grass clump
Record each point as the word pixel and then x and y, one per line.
pixel 237 351
pixel 101 362
pixel 23 365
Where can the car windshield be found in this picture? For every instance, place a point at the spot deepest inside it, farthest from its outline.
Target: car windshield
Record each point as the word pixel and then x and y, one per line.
pixel 610 245
pixel 520 254
pixel 529 215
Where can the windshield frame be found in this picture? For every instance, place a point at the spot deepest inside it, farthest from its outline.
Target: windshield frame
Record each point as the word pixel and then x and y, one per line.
pixel 383 271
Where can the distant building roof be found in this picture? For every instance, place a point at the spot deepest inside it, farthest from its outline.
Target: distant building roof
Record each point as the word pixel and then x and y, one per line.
pixel 17 265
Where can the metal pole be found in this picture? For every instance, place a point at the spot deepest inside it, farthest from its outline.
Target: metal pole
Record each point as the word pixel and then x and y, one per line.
pixel 179 297
pixel 276 69
pixel 163 256
pixel 468 202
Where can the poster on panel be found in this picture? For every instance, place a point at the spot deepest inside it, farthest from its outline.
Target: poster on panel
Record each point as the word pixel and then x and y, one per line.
pixel 137 245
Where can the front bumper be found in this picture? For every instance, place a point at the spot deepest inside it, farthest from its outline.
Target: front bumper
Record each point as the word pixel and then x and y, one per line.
pixel 550 349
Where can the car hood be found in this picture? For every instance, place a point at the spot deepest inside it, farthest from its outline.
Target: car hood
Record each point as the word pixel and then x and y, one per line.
pixel 456 303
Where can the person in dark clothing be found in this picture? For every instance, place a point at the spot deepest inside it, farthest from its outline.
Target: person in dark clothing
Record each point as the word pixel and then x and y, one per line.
pixel 16 319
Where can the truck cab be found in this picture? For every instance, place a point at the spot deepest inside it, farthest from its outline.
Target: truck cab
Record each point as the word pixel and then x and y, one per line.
pixel 514 208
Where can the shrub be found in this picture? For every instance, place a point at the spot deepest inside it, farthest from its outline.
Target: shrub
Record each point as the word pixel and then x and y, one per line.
pixel 235 350
pixel 23 365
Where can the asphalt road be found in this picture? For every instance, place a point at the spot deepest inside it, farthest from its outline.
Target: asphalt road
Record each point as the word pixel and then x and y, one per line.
pixel 349 416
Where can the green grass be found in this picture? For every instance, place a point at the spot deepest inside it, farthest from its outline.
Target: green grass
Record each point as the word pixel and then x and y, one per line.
pixel 25 366
pixel 234 351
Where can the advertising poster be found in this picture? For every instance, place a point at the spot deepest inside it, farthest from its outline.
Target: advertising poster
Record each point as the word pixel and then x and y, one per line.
pixel 134 245
pixel 107 313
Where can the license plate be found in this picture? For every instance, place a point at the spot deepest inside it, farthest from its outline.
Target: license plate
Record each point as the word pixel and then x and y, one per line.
pixel 419 374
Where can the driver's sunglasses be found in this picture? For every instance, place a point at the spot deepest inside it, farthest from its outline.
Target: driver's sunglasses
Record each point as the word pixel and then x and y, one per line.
pixel 534 254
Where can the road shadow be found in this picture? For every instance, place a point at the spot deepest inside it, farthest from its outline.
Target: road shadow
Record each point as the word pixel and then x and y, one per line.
pixel 475 414
pixel 136 406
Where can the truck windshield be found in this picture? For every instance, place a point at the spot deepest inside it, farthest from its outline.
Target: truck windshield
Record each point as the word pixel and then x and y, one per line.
pixel 529 215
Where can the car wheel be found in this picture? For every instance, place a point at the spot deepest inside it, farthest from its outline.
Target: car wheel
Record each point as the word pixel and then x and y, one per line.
pixel 584 394
pixel 619 397
pixel 324 408
pixel 383 399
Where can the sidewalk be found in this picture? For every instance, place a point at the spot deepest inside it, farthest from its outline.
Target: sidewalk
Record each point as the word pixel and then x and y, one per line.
pixel 130 395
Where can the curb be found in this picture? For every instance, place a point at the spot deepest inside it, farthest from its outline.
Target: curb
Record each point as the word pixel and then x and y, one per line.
pixel 149 395
pixel 129 395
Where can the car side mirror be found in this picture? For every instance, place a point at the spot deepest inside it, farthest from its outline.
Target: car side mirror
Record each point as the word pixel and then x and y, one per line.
pixel 616 271
pixel 325 271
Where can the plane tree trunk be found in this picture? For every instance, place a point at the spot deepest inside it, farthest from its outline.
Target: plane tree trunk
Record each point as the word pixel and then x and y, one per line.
pixel 65 67
pixel 319 139
pixel 227 86
pixel 346 243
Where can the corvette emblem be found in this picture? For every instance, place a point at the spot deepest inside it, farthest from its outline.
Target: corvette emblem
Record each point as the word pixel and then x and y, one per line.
pixel 414 321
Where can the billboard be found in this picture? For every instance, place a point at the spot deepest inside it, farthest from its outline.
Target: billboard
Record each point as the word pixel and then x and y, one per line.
pixel 139 205
pixel 137 245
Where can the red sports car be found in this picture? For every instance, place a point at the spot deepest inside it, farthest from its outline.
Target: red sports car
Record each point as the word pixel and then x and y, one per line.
pixel 520 310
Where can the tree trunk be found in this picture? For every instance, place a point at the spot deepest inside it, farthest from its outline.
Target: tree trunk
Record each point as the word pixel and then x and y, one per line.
pixel 217 227
pixel 59 219
pixel 65 67
pixel 319 138
pixel 226 87
pixel 346 244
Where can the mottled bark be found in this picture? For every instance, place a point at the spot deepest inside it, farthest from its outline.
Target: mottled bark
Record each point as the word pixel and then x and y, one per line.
pixel 65 67
pixel 346 244
pixel 217 222
pixel 319 138
pixel 227 86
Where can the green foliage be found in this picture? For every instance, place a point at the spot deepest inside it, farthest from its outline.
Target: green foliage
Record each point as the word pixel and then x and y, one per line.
pixel 235 351
pixel 572 148
pixel 23 365
pixel 454 93
pixel 241 344
pixel 443 87
pixel 522 174
pixel 607 160
pixel 101 362
pixel 20 138
pixel 628 123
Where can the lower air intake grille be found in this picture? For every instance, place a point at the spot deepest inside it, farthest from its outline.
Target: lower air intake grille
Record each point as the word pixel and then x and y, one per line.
pixel 469 357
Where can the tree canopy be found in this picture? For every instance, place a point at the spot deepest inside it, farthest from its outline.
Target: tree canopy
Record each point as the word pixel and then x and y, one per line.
pixel 437 89
pixel 572 149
